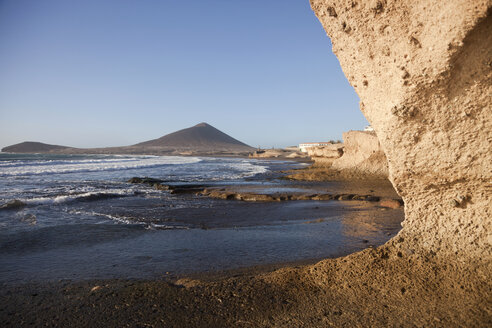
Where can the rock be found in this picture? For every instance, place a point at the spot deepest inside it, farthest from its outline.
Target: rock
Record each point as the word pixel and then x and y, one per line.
pixel 268 153
pixel 13 205
pixel 325 155
pixel 296 155
pixel 372 198
pixel 95 288
pixel 159 186
pixel 145 180
pixel 187 283
pixel 186 189
pixel 255 197
pixel 425 87
pixel 362 154
pixel 346 197
pixel 323 197
pixel 334 150
pixel 315 221
pixel 390 203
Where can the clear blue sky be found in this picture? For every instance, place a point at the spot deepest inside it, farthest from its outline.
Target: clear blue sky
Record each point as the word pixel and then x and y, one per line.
pixel 98 73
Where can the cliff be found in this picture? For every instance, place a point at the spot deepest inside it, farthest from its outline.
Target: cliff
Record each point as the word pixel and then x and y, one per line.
pixel 423 72
pixel 325 155
pixel 362 155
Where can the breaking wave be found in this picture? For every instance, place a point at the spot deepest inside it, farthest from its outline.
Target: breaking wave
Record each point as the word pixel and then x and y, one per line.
pixel 88 196
pixel 17 168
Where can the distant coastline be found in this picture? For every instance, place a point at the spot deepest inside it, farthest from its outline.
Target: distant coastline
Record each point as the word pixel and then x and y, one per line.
pixel 199 140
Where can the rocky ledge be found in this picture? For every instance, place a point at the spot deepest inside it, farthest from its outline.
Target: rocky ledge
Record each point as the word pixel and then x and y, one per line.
pixel 234 193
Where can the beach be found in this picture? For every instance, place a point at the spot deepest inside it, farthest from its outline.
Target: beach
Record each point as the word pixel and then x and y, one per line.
pixel 88 225
pixel 375 287
pixel 241 268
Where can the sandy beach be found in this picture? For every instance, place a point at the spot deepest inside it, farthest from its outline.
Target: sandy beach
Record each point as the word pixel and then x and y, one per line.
pixel 244 292
pixel 376 287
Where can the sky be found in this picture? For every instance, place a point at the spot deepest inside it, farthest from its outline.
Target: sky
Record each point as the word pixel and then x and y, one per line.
pixel 98 73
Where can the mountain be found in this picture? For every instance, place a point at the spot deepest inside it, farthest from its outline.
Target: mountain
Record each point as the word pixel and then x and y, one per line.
pixel 32 147
pixel 199 137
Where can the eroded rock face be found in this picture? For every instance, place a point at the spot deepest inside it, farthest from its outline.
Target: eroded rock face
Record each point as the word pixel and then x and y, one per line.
pixel 362 154
pixel 325 155
pixel 423 72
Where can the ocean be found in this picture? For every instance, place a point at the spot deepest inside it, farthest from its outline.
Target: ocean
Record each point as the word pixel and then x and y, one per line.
pixel 79 218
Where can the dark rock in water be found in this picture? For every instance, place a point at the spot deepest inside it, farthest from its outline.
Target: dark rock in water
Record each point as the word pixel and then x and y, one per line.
pixel 145 180
pixel 346 197
pixel 160 186
pixel 13 205
pixel 187 189
pixel 174 189
pixel 156 183
pixel 323 197
pixel 372 198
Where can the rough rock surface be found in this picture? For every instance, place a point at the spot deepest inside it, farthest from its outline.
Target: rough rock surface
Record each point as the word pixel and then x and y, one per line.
pixel 325 155
pixel 332 151
pixel 277 153
pixel 362 154
pixel 423 71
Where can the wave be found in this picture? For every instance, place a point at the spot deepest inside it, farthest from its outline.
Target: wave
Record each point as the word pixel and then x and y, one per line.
pixel 64 162
pixel 87 196
pixel 251 169
pixel 134 221
pixel 91 165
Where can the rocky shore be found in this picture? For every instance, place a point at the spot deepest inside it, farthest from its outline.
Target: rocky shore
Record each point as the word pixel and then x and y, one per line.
pixel 380 192
pixel 425 86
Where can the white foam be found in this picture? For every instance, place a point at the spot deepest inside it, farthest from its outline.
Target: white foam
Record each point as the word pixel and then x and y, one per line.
pixel 77 196
pixel 155 226
pixel 251 169
pixel 92 165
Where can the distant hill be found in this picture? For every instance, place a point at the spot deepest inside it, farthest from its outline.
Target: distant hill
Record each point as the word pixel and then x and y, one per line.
pixel 199 137
pixel 32 147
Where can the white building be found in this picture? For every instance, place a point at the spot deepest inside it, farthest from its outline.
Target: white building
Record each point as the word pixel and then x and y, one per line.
pixel 303 147
pixel 368 128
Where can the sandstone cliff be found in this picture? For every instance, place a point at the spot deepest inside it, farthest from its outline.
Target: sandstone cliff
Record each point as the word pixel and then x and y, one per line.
pixel 423 71
pixel 325 155
pixel 362 155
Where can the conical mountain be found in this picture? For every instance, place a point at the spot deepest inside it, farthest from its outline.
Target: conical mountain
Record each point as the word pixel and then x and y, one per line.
pixel 202 136
pixel 199 139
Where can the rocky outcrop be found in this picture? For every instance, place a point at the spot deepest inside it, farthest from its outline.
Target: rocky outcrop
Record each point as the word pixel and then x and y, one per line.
pixel 277 153
pixel 325 155
pixel 423 72
pixel 362 155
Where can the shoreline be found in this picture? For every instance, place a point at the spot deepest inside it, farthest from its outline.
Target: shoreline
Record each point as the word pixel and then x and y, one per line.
pixel 383 286
pixel 299 211
pixel 374 287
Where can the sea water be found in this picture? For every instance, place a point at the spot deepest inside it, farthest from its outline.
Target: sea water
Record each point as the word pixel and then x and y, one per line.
pixel 82 219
